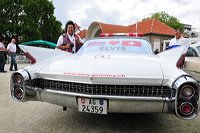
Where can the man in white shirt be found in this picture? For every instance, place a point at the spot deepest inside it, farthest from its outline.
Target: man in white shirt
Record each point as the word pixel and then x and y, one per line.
pixel 178 40
pixel 12 47
pixel 3 51
pixel 69 41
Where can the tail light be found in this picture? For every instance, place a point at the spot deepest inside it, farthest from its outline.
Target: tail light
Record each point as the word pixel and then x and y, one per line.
pixel 18 79
pixel 187 91
pixel 180 62
pixel 18 93
pixel 33 61
pixel 186 108
pixel 187 97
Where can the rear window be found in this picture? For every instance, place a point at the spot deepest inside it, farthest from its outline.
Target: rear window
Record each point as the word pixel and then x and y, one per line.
pixel 117 45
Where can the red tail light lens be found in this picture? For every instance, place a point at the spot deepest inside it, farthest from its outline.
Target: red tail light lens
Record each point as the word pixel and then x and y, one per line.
pixel 18 93
pixel 33 61
pixel 180 62
pixel 186 108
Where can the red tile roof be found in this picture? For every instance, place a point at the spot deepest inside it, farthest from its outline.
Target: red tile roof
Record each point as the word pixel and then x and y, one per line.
pixel 149 26
pixel 82 33
pixel 109 28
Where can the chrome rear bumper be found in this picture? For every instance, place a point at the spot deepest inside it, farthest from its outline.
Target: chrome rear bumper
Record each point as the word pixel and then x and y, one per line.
pixel 117 104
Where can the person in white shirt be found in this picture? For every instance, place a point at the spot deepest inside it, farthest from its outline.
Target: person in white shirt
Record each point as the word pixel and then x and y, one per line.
pixel 178 40
pixel 12 47
pixel 69 41
pixel 3 51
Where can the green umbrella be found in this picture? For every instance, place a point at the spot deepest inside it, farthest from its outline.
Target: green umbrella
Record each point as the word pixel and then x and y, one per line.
pixel 39 42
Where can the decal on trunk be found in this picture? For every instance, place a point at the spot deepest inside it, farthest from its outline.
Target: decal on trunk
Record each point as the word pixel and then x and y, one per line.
pixel 102 56
pixel 96 75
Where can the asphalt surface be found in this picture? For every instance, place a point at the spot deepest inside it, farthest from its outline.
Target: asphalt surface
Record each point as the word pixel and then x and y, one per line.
pixel 40 117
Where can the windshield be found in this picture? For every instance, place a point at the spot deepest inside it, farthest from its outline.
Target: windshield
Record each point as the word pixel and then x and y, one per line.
pixel 117 45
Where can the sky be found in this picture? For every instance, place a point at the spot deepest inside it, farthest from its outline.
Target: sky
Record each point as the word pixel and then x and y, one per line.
pixel 125 12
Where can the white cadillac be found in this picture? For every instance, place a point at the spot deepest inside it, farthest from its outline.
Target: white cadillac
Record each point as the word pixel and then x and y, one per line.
pixel 108 75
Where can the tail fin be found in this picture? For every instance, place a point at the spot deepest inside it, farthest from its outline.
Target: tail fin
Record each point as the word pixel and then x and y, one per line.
pixel 37 54
pixel 175 55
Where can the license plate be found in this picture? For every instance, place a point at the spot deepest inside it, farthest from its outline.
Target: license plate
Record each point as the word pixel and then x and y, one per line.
pixel 97 106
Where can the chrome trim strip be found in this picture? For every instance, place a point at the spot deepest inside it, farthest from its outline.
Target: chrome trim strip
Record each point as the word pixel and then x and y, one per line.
pixel 191 71
pixel 105 96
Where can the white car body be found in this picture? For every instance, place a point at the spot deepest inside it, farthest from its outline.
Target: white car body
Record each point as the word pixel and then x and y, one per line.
pixel 126 82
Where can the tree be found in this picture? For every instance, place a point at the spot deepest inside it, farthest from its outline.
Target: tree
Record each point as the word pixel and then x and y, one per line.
pixel 29 20
pixel 41 18
pixel 10 18
pixel 167 19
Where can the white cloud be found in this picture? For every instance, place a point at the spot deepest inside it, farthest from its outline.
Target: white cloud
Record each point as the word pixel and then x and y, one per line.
pixel 125 12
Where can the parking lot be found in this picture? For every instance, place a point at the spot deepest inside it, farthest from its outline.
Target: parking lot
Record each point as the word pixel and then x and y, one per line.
pixel 36 117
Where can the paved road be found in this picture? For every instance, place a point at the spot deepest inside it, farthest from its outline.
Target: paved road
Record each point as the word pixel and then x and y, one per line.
pixel 37 117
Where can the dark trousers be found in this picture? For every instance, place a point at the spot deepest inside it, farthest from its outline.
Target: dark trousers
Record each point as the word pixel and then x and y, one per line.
pixel 2 61
pixel 13 61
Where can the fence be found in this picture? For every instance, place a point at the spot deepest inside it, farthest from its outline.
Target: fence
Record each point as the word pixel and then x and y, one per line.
pixel 20 59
